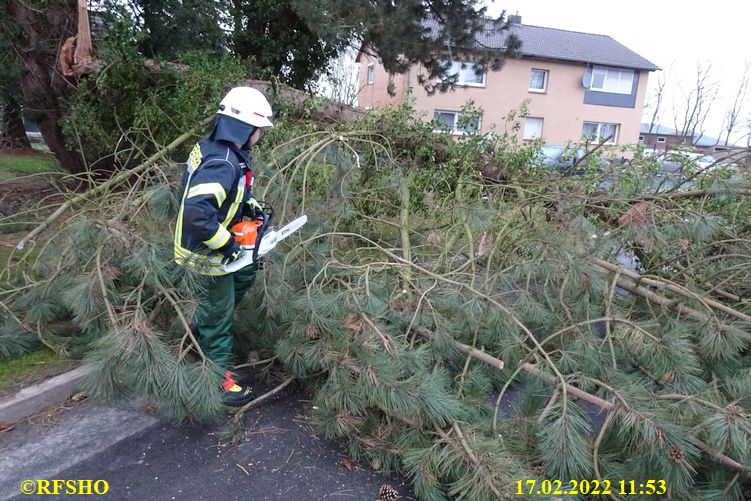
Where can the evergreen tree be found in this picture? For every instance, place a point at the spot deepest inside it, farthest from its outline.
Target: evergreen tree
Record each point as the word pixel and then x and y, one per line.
pixel 290 40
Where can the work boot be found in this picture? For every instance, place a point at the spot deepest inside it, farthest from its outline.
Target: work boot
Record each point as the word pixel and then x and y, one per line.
pixel 235 395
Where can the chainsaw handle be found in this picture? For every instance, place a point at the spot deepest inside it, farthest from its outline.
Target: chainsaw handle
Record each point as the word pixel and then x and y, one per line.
pixel 268 215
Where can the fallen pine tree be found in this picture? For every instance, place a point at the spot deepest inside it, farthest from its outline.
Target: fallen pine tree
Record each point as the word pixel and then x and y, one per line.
pixel 469 334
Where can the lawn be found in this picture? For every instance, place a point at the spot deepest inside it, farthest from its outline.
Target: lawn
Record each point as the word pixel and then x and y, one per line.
pixel 22 369
pixel 14 165
pixel 21 177
pixel 23 181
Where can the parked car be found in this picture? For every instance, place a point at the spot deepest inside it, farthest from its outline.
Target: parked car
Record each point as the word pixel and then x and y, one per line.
pixel 566 159
pixel 685 157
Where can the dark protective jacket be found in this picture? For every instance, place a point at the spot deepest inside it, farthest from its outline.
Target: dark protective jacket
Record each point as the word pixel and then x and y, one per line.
pixel 216 184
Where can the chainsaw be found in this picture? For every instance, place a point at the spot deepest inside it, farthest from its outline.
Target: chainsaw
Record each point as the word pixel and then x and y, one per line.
pixel 256 237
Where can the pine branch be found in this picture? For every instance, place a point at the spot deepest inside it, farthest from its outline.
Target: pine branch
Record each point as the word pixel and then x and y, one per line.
pixel 672 288
pixel 257 363
pixel 596 446
pixel 242 410
pixel 475 462
pixel 404 226
pixel 592 399
pixel 712 288
pixel 184 321
pixel 388 343
pixel 109 184
pixel 697 193
pixel 110 309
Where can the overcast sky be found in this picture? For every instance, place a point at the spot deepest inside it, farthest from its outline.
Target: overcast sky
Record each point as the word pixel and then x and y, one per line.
pixel 676 36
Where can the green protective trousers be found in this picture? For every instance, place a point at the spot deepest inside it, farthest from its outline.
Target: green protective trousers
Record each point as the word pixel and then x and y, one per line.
pixel 216 312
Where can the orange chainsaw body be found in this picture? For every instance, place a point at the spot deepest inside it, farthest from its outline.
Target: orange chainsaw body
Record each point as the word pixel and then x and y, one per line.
pixel 246 233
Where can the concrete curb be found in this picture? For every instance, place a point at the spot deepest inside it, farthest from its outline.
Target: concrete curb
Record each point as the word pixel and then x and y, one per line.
pixel 30 400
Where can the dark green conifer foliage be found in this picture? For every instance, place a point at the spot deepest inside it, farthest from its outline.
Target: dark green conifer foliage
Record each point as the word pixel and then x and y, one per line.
pixel 396 303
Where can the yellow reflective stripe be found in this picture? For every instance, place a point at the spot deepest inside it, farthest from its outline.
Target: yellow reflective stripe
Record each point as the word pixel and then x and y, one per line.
pixel 203 264
pixel 215 189
pixel 179 226
pixel 220 238
pixel 236 204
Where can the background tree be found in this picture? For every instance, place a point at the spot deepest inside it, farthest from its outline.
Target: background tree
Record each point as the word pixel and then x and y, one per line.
pixel 169 28
pixel 689 117
pixel 292 40
pixel 36 32
pixel 732 117
pixel 341 82
pixel 410 32
pixel 655 103
pixel 12 129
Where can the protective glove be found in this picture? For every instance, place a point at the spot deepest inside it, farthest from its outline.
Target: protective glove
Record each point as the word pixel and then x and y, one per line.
pixel 253 209
pixel 231 252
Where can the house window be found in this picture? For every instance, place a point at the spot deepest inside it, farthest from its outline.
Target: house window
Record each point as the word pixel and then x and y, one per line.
pixel 532 128
pixel 466 73
pixel 612 80
pixel 538 80
pixel 660 139
pixel 455 123
pixel 371 73
pixel 641 139
pixel 597 131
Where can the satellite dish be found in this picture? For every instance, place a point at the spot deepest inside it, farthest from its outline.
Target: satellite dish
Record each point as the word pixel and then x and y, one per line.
pixel 586 80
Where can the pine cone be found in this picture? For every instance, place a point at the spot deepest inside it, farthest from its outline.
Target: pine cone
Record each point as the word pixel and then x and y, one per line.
pixel 387 493
pixel 78 397
pixel 354 376
pixel 675 454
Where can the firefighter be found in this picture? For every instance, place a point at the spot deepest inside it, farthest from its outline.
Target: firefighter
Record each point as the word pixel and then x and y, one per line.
pixel 216 193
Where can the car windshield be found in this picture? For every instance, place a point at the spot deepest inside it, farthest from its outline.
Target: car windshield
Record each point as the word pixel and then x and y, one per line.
pixel 552 151
pixel 706 158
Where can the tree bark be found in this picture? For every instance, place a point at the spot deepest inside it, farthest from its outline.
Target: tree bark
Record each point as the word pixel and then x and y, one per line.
pixel 44 88
pixel 13 132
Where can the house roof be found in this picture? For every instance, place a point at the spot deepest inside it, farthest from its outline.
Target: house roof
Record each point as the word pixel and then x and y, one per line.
pixel 710 141
pixel 658 129
pixel 552 43
pixel 702 140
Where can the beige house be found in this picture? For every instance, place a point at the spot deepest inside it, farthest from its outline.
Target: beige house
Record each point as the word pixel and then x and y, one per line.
pixel 577 84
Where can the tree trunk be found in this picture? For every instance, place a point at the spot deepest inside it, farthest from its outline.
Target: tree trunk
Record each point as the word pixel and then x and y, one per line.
pixel 13 132
pixel 44 89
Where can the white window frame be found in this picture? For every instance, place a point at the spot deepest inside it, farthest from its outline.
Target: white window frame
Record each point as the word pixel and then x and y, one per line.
pixel 661 139
pixel 599 125
pixel 454 131
pixel 545 81
pixel 371 73
pixel 641 139
pixel 531 137
pixel 456 68
pixel 608 75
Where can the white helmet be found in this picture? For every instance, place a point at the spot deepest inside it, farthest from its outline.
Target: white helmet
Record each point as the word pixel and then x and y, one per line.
pixel 247 105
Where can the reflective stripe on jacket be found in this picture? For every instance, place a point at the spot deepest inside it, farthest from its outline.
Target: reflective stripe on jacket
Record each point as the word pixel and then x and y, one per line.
pixel 212 195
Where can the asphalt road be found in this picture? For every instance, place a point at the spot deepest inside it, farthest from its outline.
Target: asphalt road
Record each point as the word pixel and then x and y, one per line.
pixel 144 458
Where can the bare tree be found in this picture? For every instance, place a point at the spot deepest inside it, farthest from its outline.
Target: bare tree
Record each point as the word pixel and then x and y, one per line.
pixel 697 104
pixel 655 102
pixel 732 117
pixel 341 82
